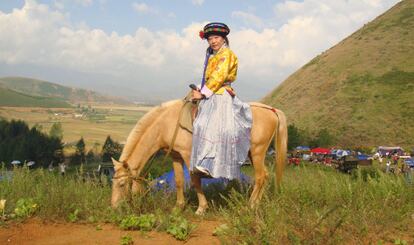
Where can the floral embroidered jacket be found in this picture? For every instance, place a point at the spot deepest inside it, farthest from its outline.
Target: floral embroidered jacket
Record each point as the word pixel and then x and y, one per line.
pixel 221 71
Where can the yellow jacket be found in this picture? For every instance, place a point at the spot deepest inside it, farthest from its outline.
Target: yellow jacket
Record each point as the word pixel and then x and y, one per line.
pixel 220 72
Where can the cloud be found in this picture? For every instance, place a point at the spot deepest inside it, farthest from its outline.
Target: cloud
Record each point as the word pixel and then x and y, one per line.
pixel 163 62
pixel 248 19
pixel 197 2
pixel 84 3
pixel 142 8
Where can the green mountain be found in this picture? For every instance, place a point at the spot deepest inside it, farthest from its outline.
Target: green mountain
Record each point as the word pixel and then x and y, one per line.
pixel 41 88
pixel 12 98
pixel 362 89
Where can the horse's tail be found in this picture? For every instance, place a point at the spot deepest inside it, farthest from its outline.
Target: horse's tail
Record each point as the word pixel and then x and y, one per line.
pixel 280 144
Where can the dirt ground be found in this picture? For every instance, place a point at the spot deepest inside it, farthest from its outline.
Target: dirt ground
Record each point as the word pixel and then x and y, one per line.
pixel 35 231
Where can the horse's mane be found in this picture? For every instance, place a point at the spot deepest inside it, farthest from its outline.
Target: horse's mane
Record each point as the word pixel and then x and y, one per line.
pixel 141 127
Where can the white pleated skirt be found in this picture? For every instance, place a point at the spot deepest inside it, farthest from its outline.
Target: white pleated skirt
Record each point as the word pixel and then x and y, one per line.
pixel 221 135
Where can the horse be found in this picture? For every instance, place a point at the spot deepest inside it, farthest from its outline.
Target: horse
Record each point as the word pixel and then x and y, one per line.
pixel 155 131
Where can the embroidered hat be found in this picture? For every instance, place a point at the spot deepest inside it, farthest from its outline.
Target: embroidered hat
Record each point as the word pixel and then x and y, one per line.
pixel 214 28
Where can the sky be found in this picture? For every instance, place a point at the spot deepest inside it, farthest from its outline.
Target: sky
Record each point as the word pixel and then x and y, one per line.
pixel 150 51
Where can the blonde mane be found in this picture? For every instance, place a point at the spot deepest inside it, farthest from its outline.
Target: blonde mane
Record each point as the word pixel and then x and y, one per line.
pixel 142 126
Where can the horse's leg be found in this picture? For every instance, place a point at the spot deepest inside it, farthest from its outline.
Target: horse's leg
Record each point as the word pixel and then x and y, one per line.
pixel 260 173
pixel 196 183
pixel 202 201
pixel 179 182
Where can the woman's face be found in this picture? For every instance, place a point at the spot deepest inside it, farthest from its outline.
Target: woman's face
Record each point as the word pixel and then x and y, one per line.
pixel 215 42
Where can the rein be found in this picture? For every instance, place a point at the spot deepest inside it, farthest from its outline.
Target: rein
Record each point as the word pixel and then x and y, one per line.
pixel 170 147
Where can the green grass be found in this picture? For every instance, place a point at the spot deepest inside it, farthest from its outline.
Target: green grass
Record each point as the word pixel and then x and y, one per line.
pixel 34 87
pixel 13 98
pixel 316 205
pixel 320 206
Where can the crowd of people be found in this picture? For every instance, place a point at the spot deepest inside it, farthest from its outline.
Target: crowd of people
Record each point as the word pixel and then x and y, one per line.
pixel 395 162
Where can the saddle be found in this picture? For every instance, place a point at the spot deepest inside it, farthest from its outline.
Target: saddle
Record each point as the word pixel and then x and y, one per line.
pixel 189 112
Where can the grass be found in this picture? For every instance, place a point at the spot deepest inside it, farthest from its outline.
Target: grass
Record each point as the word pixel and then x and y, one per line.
pixel 13 98
pixel 29 86
pixel 316 205
pixel 319 206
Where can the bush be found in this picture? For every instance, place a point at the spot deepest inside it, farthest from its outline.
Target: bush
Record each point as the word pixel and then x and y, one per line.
pixel 25 208
pixel 179 227
pixel 143 222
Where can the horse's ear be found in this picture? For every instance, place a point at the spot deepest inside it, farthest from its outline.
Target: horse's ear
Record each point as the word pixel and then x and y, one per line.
pixel 118 164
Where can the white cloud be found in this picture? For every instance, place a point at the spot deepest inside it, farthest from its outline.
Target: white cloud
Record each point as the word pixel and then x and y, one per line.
pixel 38 35
pixel 197 2
pixel 248 18
pixel 59 4
pixel 142 8
pixel 84 3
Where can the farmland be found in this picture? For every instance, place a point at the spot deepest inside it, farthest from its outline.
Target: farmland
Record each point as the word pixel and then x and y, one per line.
pixel 93 123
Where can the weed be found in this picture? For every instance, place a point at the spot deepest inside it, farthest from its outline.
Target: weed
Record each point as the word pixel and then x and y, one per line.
pixel 179 227
pixel 73 217
pixel 143 222
pixel 25 207
pixel 126 240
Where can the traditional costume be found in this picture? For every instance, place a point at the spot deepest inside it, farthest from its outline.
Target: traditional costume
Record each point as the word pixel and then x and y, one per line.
pixel 221 130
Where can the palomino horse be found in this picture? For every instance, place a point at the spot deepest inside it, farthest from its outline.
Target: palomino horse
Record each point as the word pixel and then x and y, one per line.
pixel 155 131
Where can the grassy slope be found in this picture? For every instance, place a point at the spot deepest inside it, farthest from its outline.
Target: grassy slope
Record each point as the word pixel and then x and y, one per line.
pixel 362 89
pixel 12 98
pixel 47 89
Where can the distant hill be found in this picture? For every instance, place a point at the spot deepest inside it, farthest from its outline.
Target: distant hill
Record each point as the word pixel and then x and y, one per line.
pixel 362 89
pixel 12 98
pixel 41 88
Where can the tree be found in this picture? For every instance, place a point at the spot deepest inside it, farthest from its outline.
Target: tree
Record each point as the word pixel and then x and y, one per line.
pixel 323 138
pixel 79 156
pixel 18 142
pixel 80 149
pixel 294 137
pixel 111 149
pixel 56 130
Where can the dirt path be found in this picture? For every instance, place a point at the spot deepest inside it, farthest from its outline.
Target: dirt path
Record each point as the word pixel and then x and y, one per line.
pixel 35 231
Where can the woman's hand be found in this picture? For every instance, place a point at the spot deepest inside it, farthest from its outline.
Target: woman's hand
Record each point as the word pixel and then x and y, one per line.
pixel 197 95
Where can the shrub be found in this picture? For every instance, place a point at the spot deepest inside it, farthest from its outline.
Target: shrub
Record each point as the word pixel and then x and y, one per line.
pixel 143 222
pixel 25 208
pixel 179 227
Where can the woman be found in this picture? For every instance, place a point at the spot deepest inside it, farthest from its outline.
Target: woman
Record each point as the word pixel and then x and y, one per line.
pixel 221 130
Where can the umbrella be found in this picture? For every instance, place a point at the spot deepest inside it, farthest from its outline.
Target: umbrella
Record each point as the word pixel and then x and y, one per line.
pixel 321 150
pixel 31 163
pixel 15 162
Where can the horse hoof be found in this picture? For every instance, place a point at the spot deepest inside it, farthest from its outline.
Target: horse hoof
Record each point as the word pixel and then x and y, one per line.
pixel 200 211
pixel 179 206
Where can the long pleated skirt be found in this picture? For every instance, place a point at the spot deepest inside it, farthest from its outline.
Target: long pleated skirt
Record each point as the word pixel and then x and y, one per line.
pixel 221 135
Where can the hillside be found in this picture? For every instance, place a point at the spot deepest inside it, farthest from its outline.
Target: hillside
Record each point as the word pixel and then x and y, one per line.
pixel 41 88
pixel 362 89
pixel 12 98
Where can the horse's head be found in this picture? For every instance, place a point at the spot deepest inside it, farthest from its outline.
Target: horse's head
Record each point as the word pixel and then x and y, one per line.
pixel 121 182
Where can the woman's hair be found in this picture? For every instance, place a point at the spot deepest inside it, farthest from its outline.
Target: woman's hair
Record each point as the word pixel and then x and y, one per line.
pixel 227 41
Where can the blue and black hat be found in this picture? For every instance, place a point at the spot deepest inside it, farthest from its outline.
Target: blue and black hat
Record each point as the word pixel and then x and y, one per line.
pixel 214 28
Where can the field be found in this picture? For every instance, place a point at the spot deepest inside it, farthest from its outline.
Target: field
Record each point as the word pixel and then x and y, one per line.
pixel 316 205
pixel 94 126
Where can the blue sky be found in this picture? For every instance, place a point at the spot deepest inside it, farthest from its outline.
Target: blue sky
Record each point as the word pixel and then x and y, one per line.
pixel 150 50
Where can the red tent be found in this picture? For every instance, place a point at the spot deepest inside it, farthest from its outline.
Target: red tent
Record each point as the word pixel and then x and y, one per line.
pixel 321 150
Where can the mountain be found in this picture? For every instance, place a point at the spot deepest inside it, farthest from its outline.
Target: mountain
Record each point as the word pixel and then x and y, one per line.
pixel 362 89
pixel 12 98
pixel 34 87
